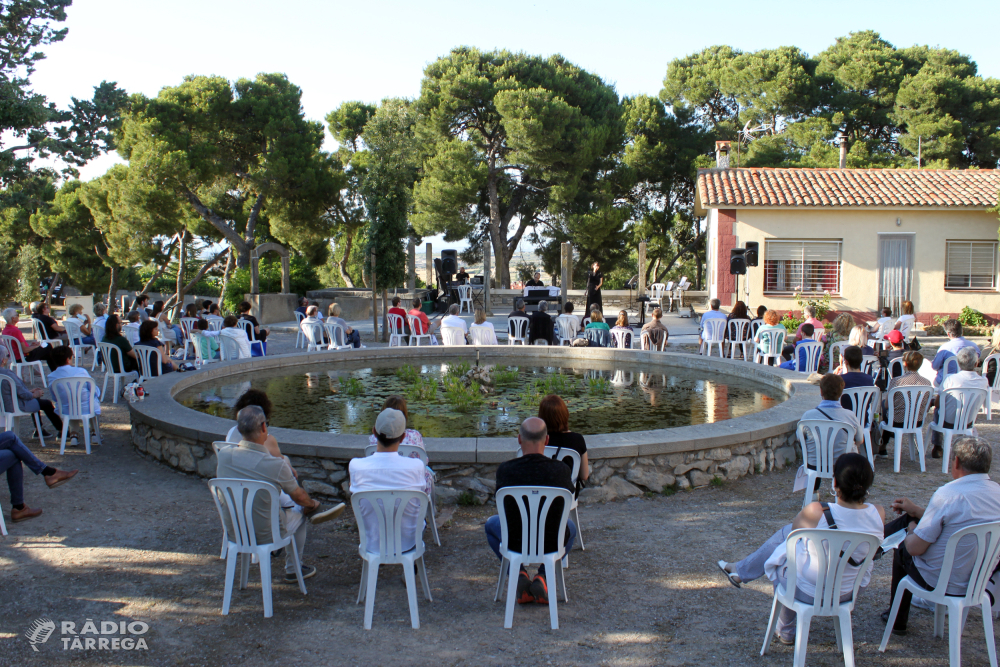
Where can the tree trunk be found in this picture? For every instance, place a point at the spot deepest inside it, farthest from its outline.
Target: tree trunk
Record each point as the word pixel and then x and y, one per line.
pixel 697 264
pixel 112 288
pixel 53 283
pixel 225 274
pixel 342 264
pixel 499 244
pixel 194 281
pixel 243 260
pixel 385 315
pixel 179 294
pixel 161 269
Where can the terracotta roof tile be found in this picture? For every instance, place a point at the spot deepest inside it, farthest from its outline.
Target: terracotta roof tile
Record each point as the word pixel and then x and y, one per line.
pixel 848 187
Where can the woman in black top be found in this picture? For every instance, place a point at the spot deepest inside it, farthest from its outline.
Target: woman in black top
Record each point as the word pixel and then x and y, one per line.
pixel 553 411
pixel 245 308
pixel 595 279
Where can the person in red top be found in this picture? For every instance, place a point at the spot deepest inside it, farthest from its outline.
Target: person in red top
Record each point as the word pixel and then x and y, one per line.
pixel 426 327
pixel 398 310
pixel 32 350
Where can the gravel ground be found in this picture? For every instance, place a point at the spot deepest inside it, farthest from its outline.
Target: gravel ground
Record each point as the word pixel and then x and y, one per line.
pixel 131 540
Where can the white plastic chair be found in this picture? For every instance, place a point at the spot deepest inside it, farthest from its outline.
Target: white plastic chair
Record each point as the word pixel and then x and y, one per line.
pixel 565 329
pixel 905 326
pixel 397 332
pixel 995 360
pixel 823 433
pixel 218 446
pixel 415 326
pixel 739 334
pixel 234 498
pixel 300 339
pixel 534 504
pixel 202 349
pixel 576 460
pixel 813 350
pixel 314 336
pixel 215 323
pixel 775 339
pixel 251 336
pixel 75 337
pixel 131 333
pixel 517 330
pixel 916 401
pixel 42 335
pixel 412 451
pixel 229 348
pixel 3 526
pixel 656 291
pixel 646 342
pixel 837 353
pixel 864 404
pixel 949 367
pixel 832 550
pixel 10 419
pixel 987 547
pixel 452 335
pixel 388 508
pixel 98 337
pixel 966 403
pixel 464 298
pixel 482 335
pixel 112 353
pixel 716 329
pixel 76 399
pixel 189 325
pixel 869 364
pixel 894 365
pixel 20 366
pixel 337 336
pixel 622 339
pixel 150 361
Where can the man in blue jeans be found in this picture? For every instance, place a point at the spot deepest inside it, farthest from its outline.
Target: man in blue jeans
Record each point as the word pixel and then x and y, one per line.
pixel 12 454
pixel 532 469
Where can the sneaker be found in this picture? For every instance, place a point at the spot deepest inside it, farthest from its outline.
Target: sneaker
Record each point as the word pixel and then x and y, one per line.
pixel 308 571
pixel 782 640
pixel 45 434
pixel 921 603
pixel 539 589
pixel 524 596
pixel 900 632
pixel 280 553
pixel 936 453
pixel 324 514
pixel 883 453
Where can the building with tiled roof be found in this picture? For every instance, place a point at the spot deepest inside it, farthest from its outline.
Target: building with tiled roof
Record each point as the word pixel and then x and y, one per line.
pixel 872 238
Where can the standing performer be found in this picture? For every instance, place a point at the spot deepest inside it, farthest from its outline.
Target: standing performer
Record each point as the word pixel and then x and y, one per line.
pixel 594 281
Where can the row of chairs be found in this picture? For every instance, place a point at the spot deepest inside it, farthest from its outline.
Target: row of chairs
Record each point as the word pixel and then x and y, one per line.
pixel 75 399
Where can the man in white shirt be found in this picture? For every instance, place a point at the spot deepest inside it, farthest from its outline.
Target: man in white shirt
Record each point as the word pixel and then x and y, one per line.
pixel 966 377
pixel 713 314
pixel 386 470
pixel 972 498
pixel 232 330
pixel 313 317
pixel 453 320
pixel 955 343
pixel 62 359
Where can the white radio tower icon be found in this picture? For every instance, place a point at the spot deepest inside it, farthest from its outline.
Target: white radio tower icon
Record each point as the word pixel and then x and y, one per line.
pixel 39 632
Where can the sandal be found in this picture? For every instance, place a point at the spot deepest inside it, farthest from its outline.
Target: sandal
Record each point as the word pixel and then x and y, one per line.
pixel 729 575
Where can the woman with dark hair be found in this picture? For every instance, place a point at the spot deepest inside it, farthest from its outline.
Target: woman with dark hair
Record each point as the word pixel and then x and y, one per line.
pixel 113 335
pixel 553 411
pixel 739 312
pixel 245 314
pixel 149 332
pixel 595 280
pixel 852 477
pixel 157 308
pixel 260 399
pixel 191 310
pixel 760 312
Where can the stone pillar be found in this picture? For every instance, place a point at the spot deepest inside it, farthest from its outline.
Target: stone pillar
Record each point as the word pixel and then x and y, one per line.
pixel 487 276
pixel 642 268
pixel 411 265
pixel 567 272
pixel 429 268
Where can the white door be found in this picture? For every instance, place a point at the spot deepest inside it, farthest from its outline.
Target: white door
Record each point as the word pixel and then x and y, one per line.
pixel 895 268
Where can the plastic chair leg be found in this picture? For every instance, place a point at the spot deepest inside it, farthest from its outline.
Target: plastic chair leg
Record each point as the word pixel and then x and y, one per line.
pixel 991 648
pixel 551 582
pixel 434 526
pixel 508 617
pixel 65 433
pixel 940 611
pixel 802 623
pixel 85 423
pixel 225 542
pixel 897 450
pixel 297 561
pixel 244 570
pixel 265 584
pixel 411 594
pixel 364 580
pixel 903 586
pixel 946 451
pixel 504 566
pixel 422 569
pixel 955 638
pixel 38 426
pixel 919 437
pixel 868 447
pixel 370 593
pixel 846 637
pixel 116 390
pixel 579 529
pixel 230 578
pixel 771 625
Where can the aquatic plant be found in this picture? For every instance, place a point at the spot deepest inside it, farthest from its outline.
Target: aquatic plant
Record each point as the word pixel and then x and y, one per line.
pixel 461 397
pixel 424 389
pixel 505 378
pixel 598 386
pixel 459 369
pixel 352 386
pixel 407 373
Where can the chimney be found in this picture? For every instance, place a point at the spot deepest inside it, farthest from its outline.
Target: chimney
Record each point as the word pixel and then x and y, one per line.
pixel 722 154
pixel 843 152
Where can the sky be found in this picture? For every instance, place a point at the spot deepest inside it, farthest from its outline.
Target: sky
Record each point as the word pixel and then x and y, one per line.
pixel 338 51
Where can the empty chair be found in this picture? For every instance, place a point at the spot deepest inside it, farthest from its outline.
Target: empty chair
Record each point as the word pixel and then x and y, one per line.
pixel 11 413
pixel 716 335
pixel 300 337
pixel 452 335
pixel 832 550
pixel 739 335
pixel 77 399
pixel 533 504
pixel 397 330
pixel 314 336
pixel 113 359
pixel 807 356
pixel 517 330
pixel 916 401
pixel 622 338
pixel 565 329
pixel 338 337
pixel 479 335
pixel 464 298
pixel 388 508
pixel 251 336
pixel 864 404
pixel 958 406
pixel 416 326
pixel 987 540
pixel 19 367
pixel 824 434
pixel 656 291
pixel 235 499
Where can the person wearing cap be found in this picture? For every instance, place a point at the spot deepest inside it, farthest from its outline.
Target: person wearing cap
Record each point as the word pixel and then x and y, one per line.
pixel 386 470
pixel 895 338
pixel 251 460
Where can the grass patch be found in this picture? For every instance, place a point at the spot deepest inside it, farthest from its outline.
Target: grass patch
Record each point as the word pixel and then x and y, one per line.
pixel 598 386
pixel 462 398
pixel 505 378
pixel 467 499
pixel 407 374
pixel 717 482
pixel 671 489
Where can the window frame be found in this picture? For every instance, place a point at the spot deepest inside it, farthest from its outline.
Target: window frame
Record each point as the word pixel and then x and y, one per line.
pixel 970 287
pixel 792 292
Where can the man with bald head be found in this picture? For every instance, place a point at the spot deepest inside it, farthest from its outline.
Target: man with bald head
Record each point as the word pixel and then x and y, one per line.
pixel 533 468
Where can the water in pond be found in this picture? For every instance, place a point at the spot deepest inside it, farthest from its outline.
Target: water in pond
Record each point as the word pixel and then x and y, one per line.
pixel 608 398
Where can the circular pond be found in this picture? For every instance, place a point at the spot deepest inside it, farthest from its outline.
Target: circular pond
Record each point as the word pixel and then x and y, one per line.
pixel 487 397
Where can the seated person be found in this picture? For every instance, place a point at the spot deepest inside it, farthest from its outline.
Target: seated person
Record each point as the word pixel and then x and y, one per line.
pixel 214 313
pixel 656 329
pixel 852 375
pixel 831 388
pixel 859 337
pixel 533 468
pixel 13 454
pixel 149 332
pixel 207 340
pixel 787 352
pixel 113 335
pixel 553 411
pixel 63 357
pixel 713 313
pixel 386 470
pixel 351 336
pixel 462 277
pixel 53 330
pixel 896 341
pixel 232 330
pixel 541 326
pixel 205 305
pixel 518 309
pixel 480 322
pixel 965 377
pixel 424 325
pixel 303 305
pixel 597 332
pixel 622 324
pixel 412 437
pixel 568 312
pixel 312 318
pixel 535 281
pixel 139 307
pixel 883 325
pixel 251 460
pixel 760 312
pixel 33 351
pixel 175 334
pixel 398 310
pixel 771 323
pixel 455 322
pixel 191 310
pixel 100 316
pixel 75 314
pixel 852 477
pixel 955 343
pixel 259 333
pixel 806 331
pixel 912 361
pixel 970 499
pixel 818 329
pixel 28 400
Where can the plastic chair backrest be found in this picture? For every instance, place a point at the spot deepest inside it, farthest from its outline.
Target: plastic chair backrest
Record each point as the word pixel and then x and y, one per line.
pixel 517 327
pixel 534 504
pixel 987 542
pixel 13 344
pixel 739 330
pixel 416 326
pixel 564 327
pixel 38 330
pixel 464 292
pixel 389 508
pixel 409 451
pixel 656 291
pixel 622 339
pixel 646 342
pixel 229 348
pixel 313 332
pixel 247 326
pixel 754 326
pixel 8 396
pixel 561 454
pixel 336 333
pixel 833 552
pixel 452 335
pixel 73 332
pixel 188 324
pixel 234 435
pixel 823 433
pixel 775 340
pixel 813 352
pixel 869 364
pixel 837 352
pixel 896 367
pixel 864 403
pixel 963 404
pixel 149 361
pixel 75 397
pixel 299 317
pixel 396 326
pixel 234 498
pixel 131 333
pixel 716 329
pixel 916 400
pixel 98 332
pixel 113 358
pixel 482 335
pixel 585 321
pixel 949 367
pixel 995 360
pixel 905 326
pixel 598 337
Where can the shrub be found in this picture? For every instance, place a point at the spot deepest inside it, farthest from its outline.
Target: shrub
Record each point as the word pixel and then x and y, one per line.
pixel 302 276
pixel 790 323
pixel 972 318
pixel 467 499
pixel 407 374
pixel 717 481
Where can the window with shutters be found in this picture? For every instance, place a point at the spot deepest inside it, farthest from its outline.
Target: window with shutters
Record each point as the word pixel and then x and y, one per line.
pixel 801 266
pixel 971 265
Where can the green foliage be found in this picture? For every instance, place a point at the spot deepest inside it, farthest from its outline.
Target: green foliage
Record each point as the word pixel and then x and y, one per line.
pixel 29 270
pixel 598 386
pixel 467 499
pixel 462 398
pixel 790 323
pixel 717 482
pixel 505 378
pixel 458 370
pixel 424 389
pixel 301 273
pixel 407 374
pixel 8 278
pixel 940 320
pixel 972 318
pixel 352 386
pixel 822 304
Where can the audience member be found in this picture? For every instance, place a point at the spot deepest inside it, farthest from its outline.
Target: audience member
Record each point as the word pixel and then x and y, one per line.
pixel 541 326
pixel 906 320
pixel 205 306
pixel 63 358
pixel 139 307
pixel 739 312
pixel 191 310
pixel 622 324
pixel 518 309
pixel 113 335
pixel 28 400
pixel 251 460
pixel 712 314
pixel 303 305
pixel 771 323
pixel 896 341
pixel 597 331
pixel 840 330
pixel 883 325
pixel 386 470
pixel 149 332
pixel 53 330
pixel 263 401
pixel 831 388
pixel 162 319
pixel 411 437
pixel 351 336
pixel 852 478
pixel 398 310
pixel 13 454
pixel 818 329
pixel 656 329
pixel 259 332
pixel 859 337
pixel 77 316
pixel 760 312
pixel 206 340
pixel 971 498
pixel 966 377
pixel 425 326
pixel 33 351
pixel 568 312
pixel 910 378
pixel 232 330
pixel 480 322
pixel 852 375
pixel 100 316
pixel 453 321
pixel 806 332
pixel 953 328
pixel 214 313
pixel 533 468
pixel 553 411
